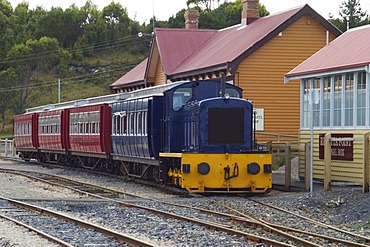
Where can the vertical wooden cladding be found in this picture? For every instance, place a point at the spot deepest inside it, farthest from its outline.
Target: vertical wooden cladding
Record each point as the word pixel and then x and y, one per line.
pixel 160 77
pixel 261 74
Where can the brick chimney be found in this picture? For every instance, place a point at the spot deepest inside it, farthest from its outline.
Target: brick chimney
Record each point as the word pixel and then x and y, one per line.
pixel 250 11
pixel 191 19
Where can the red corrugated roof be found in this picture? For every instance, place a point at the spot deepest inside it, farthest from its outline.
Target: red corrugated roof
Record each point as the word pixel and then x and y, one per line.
pixel 176 45
pixel 350 50
pixel 191 51
pixel 230 43
pixel 137 74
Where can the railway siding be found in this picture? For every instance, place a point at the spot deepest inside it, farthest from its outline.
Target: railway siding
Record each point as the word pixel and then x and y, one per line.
pixel 335 208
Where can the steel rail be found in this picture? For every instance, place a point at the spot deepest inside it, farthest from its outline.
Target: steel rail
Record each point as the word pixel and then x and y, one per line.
pixel 40 233
pixel 284 231
pixel 118 236
pixel 208 224
pixel 364 238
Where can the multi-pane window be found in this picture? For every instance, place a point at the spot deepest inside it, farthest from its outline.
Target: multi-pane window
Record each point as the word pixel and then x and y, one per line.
pixel 326 102
pixel 84 123
pixel 337 100
pixel 22 129
pixel 348 100
pixel 344 98
pixel 361 99
pixel 306 103
pixel 49 125
pixel 134 123
pixel 316 102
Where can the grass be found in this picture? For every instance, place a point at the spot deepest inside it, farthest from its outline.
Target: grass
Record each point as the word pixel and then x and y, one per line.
pixel 278 161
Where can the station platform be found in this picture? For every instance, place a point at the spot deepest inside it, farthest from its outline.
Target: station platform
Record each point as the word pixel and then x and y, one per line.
pixel 278 182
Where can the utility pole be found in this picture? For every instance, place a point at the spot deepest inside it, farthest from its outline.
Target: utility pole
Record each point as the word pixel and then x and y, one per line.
pixel 58 90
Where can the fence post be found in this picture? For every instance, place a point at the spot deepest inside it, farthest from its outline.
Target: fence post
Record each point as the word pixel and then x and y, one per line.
pixel 327 162
pixel 6 147
pixel 288 166
pixel 269 147
pixel 366 162
pixel 13 148
pixel 307 178
pixel 1 147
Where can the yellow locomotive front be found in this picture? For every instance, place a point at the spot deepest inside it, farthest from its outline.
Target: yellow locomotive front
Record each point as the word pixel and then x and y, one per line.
pixel 218 154
pixel 223 173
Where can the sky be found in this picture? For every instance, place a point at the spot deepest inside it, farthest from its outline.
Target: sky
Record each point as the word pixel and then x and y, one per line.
pixel 142 10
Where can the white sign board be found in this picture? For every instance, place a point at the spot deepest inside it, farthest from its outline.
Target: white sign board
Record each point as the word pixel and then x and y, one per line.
pixel 260 118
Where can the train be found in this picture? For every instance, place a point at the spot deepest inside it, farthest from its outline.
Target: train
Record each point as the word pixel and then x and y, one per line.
pixel 197 136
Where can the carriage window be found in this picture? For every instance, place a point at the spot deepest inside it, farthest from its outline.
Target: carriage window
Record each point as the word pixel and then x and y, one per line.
pixel 124 124
pixel 139 124
pixel 145 126
pixel 132 123
pixel 87 128
pixel 118 125
pixel 93 130
pixel 97 127
pixel 180 97
pixel 80 128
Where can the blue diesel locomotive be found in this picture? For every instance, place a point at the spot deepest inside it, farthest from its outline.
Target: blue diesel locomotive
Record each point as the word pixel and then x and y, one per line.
pixel 186 134
pixel 193 135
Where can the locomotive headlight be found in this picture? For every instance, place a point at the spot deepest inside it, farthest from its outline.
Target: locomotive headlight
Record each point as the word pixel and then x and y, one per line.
pixel 253 168
pixel 203 168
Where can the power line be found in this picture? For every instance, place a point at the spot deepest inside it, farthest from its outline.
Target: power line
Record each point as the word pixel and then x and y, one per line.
pixel 77 79
pixel 96 47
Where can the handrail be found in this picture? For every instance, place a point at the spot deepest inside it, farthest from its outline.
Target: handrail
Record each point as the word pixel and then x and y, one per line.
pixel 277 136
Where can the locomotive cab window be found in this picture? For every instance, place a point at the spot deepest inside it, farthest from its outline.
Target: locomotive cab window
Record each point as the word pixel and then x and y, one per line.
pixel 180 97
pixel 225 126
pixel 232 93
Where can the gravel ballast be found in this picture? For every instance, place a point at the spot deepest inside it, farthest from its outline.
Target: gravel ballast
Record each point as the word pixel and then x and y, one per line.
pixel 345 207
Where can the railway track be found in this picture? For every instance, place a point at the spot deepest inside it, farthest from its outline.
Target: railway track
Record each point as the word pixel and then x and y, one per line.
pixel 120 197
pixel 221 221
pixel 349 238
pixel 61 228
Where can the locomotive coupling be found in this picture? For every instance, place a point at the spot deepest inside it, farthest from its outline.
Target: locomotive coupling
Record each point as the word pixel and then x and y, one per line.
pixel 234 173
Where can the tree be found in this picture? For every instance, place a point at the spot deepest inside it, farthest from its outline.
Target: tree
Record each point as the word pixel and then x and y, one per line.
pixel 225 15
pixel 66 26
pixel 5 12
pixel 351 15
pixel 117 20
pixel 27 63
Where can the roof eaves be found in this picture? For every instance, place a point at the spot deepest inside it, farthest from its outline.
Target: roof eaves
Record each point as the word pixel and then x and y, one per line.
pixel 305 10
pixel 134 83
pixel 198 71
pixel 327 71
pixel 153 43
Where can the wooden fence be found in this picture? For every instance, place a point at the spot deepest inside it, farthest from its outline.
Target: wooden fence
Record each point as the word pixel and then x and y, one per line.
pixel 7 147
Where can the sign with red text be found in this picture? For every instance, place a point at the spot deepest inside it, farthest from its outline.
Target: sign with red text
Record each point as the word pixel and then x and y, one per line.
pixel 340 149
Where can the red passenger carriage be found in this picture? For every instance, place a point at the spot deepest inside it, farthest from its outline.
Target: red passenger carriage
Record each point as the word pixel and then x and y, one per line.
pixel 50 126
pixel 25 134
pixel 90 129
pixel 25 131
